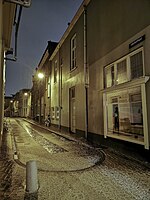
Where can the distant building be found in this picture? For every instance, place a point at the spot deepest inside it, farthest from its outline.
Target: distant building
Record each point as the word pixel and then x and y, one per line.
pixel 24 103
pixel 16 105
pixel 41 87
pixel 97 79
pixel 21 104
pixel 8 106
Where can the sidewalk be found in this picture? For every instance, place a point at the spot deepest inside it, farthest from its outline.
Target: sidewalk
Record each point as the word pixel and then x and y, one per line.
pixel 6 167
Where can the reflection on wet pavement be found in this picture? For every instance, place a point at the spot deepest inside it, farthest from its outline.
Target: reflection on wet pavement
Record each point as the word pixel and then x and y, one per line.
pixel 45 143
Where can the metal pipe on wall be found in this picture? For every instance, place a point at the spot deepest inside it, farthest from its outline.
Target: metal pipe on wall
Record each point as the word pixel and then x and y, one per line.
pixel 85 72
pixel 60 89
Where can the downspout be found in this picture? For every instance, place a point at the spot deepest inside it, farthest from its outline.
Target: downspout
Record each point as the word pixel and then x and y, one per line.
pixel 59 90
pixel 16 34
pixel 1 73
pixel 85 73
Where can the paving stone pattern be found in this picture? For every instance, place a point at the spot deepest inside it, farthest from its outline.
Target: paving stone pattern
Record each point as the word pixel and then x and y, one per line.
pixel 117 178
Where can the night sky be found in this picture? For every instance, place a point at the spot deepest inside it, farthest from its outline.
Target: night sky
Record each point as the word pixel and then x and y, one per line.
pixel 45 20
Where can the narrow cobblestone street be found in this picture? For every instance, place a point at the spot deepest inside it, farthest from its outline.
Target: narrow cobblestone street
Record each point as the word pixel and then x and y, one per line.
pixel 68 169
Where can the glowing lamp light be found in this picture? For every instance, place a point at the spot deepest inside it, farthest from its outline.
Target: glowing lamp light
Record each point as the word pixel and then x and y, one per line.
pixel 25 94
pixel 40 75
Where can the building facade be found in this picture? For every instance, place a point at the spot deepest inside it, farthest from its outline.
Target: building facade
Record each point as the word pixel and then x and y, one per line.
pixel 20 104
pixel 41 90
pixel 7 12
pixel 24 103
pixel 8 106
pixel 98 75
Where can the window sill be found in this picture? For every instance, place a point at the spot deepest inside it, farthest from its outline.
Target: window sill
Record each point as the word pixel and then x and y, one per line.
pixel 131 138
pixel 131 83
pixel 72 70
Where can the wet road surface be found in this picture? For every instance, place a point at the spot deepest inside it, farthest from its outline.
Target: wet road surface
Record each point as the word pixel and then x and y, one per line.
pixel 68 170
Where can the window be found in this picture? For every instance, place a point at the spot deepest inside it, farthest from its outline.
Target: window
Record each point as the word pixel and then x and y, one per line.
pixel 48 88
pixel 55 72
pixel 136 63
pixel 53 112
pixel 57 112
pixel 73 52
pixel 72 92
pixel 109 76
pixel 129 118
pixel 122 72
pixel 125 69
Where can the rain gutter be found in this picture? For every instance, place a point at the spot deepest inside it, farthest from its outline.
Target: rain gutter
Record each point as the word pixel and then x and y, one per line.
pixel 86 80
pixel 16 35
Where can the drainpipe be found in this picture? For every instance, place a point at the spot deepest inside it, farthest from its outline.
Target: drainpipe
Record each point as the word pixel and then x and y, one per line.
pixel 85 73
pixel 60 89
pixel 16 32
pixel 16 35
pixel 1 72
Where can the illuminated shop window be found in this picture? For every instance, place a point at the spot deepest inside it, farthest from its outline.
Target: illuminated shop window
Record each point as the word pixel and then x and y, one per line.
pixel 125 115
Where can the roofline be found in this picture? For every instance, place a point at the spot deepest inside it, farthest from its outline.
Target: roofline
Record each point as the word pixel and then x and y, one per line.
pixel 46 54
pixel 70 27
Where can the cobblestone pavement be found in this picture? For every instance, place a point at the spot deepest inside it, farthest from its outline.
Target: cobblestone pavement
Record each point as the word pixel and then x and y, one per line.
pixel 43 146
pixel 117 178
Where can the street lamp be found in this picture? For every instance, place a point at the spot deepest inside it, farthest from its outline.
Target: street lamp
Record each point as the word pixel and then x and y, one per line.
pixel 40 76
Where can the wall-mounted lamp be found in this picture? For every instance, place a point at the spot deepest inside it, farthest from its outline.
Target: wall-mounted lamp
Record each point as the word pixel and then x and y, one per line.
pixel 40 75
pixel 25 3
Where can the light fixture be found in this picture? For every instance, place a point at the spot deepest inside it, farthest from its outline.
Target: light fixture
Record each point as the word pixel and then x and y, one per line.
pixel 40 75
pixel 25 3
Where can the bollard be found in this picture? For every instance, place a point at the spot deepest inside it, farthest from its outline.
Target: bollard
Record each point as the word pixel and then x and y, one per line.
pixel 31 177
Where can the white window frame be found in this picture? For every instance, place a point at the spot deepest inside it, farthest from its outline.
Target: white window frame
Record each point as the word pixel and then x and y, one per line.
pixel 48 87
pixel 53 112
pixel 57 112
pixel 55 71
pixel 116 70
pixel 135 52
pixel 127 58
pixel 73 49
pixel 145 119
pixel 113 81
